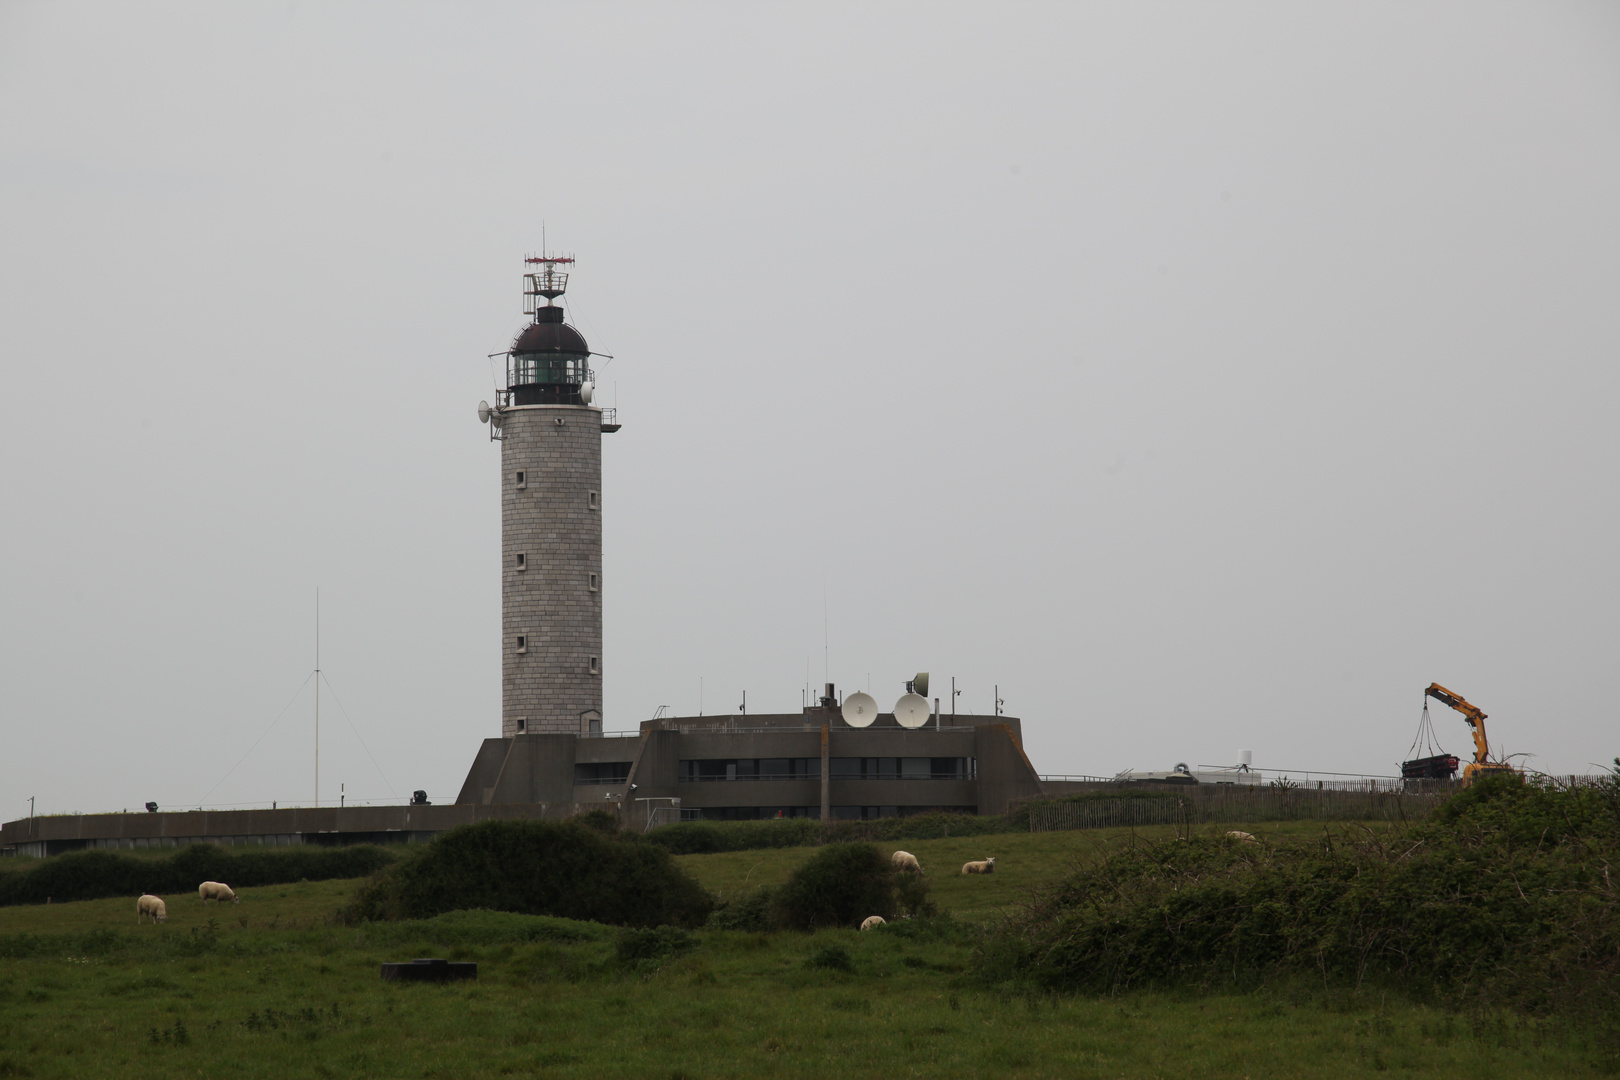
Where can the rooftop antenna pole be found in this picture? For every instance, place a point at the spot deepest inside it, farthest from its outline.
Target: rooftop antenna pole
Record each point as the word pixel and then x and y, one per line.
pixel 826 665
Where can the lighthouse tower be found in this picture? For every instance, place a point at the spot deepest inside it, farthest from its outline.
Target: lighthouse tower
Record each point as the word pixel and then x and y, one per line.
pixel 551 519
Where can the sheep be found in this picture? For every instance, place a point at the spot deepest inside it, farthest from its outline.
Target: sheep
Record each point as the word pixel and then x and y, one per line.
pixel 983 866
pixel 151 905
pixel 873 920
pixel 217 890
pixel 905 860
pixel 1238 834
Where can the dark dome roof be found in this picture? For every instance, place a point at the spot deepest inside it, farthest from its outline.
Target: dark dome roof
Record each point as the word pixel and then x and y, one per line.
pixel 550 337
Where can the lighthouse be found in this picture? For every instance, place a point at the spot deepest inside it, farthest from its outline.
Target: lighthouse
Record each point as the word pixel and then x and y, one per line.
pixel 550 435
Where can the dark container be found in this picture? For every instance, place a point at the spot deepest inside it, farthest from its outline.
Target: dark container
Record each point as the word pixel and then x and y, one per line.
pixel 1439 767
pixel 429 971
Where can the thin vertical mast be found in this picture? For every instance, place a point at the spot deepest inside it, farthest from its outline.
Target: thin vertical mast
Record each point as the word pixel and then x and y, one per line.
pixel 317 695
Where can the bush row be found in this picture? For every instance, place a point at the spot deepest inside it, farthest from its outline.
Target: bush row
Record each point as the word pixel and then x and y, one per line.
pixel 91 875
pixel 706 837
pixel 1502 897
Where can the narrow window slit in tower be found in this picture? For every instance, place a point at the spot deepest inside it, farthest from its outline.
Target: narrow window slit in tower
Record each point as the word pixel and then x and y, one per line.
pixel 523 643
pixel 522 561
pixel 593 499
pixel 596 582
pixel 520 724
pixel 596 665
pixel 522 477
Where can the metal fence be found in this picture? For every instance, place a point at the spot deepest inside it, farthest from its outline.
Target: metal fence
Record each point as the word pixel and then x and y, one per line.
pixel 1231 805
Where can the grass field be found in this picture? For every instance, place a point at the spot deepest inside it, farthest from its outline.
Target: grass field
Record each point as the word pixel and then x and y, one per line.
pixel 272 987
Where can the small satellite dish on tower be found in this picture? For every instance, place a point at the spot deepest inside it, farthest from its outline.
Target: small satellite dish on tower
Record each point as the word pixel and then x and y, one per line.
pixel 911 711
pixel 483 412
pixel 919 685
pixel 860 709
pixel 586 392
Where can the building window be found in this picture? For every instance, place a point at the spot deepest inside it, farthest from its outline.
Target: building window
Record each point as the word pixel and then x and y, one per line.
pixel 520 724
pixel 596 665
pixel 595 582
pixel 522 561
pixel 698 770
pixel 602 772
pixel 522 642
pixel 889 768
pixel 593 499
pixel 522 477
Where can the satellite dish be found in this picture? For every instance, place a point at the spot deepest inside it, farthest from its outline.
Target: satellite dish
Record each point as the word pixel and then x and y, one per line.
pixel 497 417
pixel 483 412
pixel 920 684
pixel 911 711
pixel 860 709
pixel 586 391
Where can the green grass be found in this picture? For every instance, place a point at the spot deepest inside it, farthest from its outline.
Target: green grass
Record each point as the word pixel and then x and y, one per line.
pixel 274 988
pixel 1024 861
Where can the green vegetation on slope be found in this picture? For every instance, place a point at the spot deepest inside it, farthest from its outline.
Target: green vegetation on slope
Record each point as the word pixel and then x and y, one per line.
pixel 87 875
pixel 557 998
pixel 1504 897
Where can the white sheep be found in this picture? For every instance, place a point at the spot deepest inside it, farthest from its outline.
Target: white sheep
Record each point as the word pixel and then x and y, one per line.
pixel 983 866
pixel 216 890
pixel 1238 834
pixel 873 920
pixel 905 860
pixel 153 906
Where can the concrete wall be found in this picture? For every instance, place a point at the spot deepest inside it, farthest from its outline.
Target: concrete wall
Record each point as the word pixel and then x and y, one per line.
pixel 1005 772
pixel 533 769
pixel 549 688
pixel 51 835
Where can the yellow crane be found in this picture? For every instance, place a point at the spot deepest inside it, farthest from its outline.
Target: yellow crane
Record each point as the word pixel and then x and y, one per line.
pixel 1482 765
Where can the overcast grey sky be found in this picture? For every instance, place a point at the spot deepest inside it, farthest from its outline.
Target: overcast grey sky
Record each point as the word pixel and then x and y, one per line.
pixel 1207 376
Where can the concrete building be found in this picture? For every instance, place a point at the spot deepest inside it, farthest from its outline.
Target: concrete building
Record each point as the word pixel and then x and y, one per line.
pixel 810 764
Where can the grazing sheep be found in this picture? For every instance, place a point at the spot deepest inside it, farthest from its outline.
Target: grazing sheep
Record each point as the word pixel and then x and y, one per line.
pixel 151 905
pixel 216 890
pixel 873 920
pixel 1238 834
pixel 905 860
pixel 983 866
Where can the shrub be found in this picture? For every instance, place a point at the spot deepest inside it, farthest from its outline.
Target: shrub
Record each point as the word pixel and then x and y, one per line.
pixel 1500 898
pixel 930 826
pixel 704 837
pixel 658 943
pixel 91 875
pixel 840 885
pixel 600 820
pixel 911 895
pixel 752 912
pixel 538 868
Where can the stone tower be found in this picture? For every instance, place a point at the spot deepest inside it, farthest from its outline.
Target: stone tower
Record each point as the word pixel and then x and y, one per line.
pixel 551 520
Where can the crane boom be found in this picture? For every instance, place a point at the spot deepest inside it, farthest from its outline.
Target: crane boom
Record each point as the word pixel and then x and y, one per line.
pixel 1476 723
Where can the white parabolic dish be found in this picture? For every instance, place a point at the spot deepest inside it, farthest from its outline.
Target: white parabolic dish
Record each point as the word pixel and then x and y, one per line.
pixel 911 711
pixel 860 709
